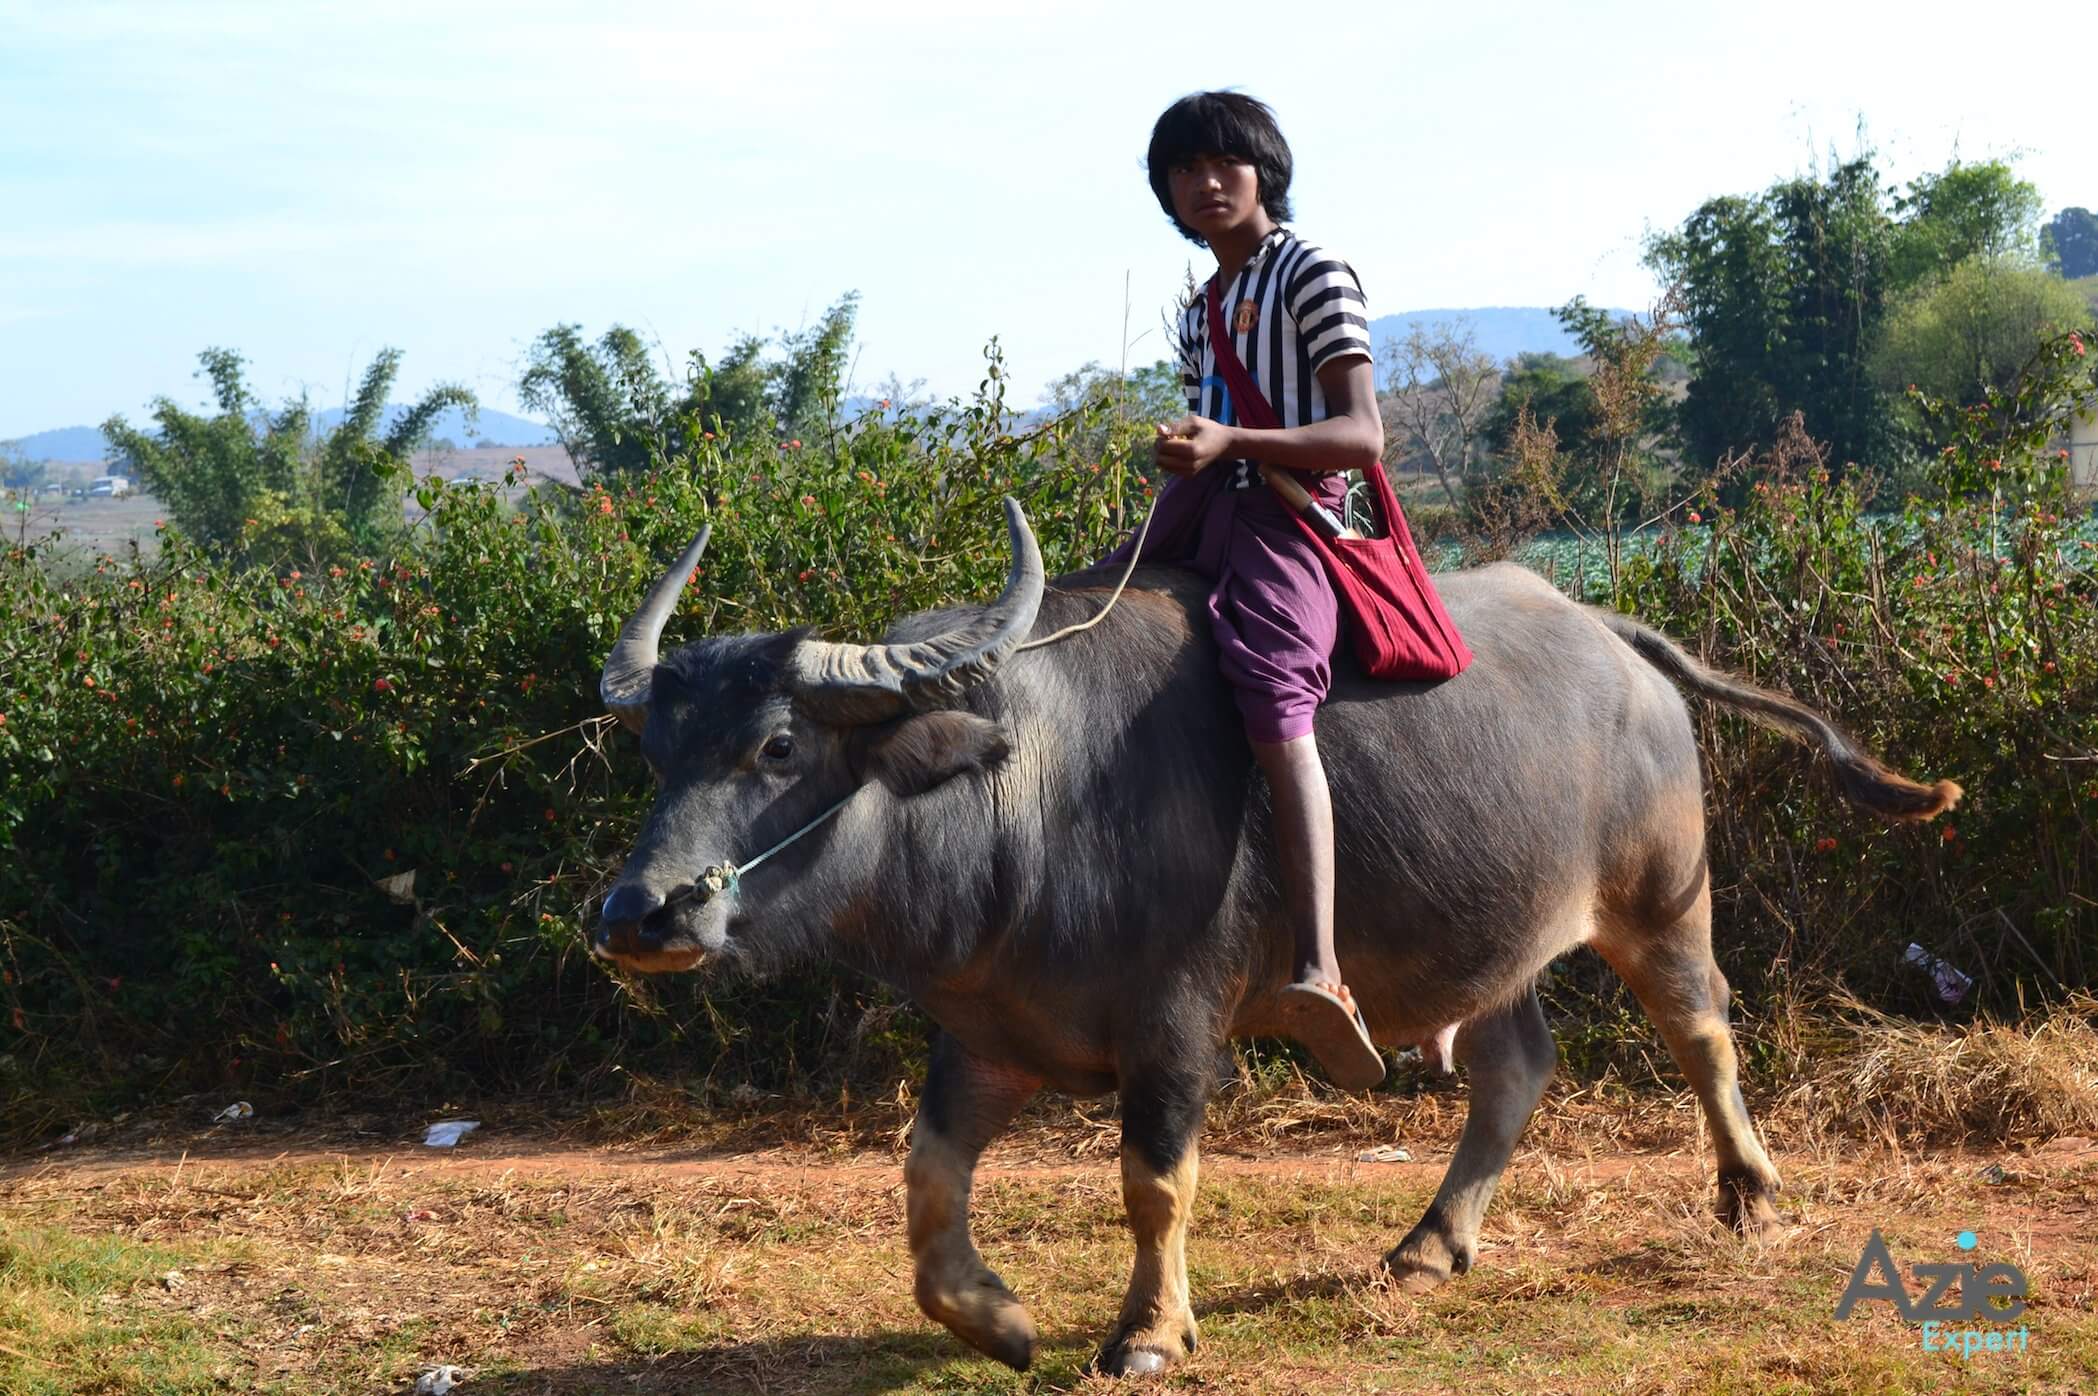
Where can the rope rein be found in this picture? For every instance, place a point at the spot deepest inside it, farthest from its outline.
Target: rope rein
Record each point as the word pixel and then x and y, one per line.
pixel 1135 552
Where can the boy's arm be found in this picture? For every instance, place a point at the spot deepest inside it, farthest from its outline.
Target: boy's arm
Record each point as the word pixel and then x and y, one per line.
pixel 1350 438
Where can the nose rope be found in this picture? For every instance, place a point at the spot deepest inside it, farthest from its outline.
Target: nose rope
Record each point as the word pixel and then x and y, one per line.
pixel 721 877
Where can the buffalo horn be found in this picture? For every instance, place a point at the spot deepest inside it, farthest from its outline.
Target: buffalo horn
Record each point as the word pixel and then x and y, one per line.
pixel 868 683
pixel 632 662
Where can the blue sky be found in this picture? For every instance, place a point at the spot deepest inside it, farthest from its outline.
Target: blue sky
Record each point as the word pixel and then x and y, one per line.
pixel 311 182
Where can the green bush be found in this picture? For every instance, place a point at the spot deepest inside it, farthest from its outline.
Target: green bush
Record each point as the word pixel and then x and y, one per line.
pixel 215 778
pixel 1957 639
pixel 208 770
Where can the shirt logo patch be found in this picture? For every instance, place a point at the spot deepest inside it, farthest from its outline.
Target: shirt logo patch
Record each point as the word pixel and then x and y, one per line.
pixel 1242 320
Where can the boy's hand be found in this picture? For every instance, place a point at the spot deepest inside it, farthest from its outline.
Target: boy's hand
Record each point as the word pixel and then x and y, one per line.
pixel 1186 446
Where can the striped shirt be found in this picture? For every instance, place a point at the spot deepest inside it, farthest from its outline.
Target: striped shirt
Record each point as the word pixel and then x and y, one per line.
pixel 1292 309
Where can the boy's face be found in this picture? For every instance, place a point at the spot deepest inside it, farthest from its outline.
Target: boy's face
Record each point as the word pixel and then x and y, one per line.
pixel 1213 193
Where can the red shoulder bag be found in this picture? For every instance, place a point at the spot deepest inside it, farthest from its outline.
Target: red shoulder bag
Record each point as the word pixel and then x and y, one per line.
pixel 1398 623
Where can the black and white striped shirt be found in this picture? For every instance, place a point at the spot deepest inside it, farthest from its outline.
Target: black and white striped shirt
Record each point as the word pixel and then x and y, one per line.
pixel 1292 309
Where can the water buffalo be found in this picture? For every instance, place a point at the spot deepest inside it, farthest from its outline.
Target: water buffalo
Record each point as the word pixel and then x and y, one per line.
pixel 1061 854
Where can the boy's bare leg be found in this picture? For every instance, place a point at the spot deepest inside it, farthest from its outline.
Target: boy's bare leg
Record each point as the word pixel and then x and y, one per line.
pixel 1304 835
pixel 1303 810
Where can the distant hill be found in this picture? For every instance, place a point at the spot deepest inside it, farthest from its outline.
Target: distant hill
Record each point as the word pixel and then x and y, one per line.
pixel 64 444
pixel 1502 331
pixel 500 428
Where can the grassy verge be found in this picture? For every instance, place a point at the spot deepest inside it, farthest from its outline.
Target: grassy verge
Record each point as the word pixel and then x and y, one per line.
pixel 680 1242
pixel 778 1273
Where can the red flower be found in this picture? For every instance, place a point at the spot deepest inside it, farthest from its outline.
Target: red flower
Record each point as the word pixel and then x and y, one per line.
pixel 2076 343
pixel 805 574
pixel 382 686
pixel 604 504
pixel 807 501
pixel 1824 845
pixel 1987 681
pixel 549 816
pixel 1695 517
pixel 1951 834
pixel 504 866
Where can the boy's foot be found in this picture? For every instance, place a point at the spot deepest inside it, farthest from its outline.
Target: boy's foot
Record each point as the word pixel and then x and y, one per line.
pixel 1324 1018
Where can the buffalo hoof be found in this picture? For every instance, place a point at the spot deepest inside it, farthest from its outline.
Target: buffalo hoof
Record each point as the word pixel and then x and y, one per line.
pixel 1745 1206
pixel 984 1314
pixel 1426 1260
pixel 1145 1352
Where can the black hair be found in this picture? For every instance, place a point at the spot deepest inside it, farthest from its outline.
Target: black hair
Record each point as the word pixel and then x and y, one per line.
pixel 1221 123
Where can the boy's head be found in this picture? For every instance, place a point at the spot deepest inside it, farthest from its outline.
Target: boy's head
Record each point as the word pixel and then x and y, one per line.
pixel 1220 123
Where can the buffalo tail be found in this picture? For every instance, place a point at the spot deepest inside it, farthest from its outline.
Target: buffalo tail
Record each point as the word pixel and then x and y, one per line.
pixel 1863 780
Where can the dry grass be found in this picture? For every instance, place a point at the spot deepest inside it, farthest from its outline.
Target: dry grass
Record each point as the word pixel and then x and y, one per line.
pixel 1860 1073
pixel 786 1273
pixel 649 1249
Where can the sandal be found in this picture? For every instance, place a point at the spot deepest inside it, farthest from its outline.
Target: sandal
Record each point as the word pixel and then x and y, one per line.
pixel 1336 1036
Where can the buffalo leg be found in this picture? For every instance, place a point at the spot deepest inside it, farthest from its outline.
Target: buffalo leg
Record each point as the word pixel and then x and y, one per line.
pixel 967 1102
pixel 1675 978
pixel 1509 1057
pixel 1161 1118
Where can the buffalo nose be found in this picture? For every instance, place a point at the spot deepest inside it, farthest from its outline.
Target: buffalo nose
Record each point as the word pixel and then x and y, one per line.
pixel 626 907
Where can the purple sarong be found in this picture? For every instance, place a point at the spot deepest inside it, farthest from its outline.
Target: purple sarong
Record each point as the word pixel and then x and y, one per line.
pixel 1271 608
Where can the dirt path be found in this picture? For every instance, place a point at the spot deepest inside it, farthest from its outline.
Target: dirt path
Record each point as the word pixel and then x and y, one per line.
pixel 295 1263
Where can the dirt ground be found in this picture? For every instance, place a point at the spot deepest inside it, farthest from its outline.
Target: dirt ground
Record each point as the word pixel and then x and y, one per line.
pixel 209 1260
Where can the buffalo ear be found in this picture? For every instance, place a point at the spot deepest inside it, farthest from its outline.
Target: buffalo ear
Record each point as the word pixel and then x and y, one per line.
pixel 912 756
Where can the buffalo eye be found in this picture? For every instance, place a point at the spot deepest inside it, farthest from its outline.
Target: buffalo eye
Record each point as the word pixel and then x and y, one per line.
pixel 779 748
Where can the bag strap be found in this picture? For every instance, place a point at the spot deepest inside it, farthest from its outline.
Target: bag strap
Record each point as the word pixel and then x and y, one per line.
pixel 1253 410
pixel 1247 404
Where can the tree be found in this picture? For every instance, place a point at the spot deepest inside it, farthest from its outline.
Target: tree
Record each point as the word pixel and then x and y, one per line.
pixel 19 474
pixel 362 465
pixel 1440 388
pixel 1968 333
pixel 612 410
pixel 1553 390
pixel 1783 292
pixel 1963 211
pixel 247 481
pixel 1786 294
pixel 808 381
pixel 615 411
pixel 1610 473
pixel 2071 241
